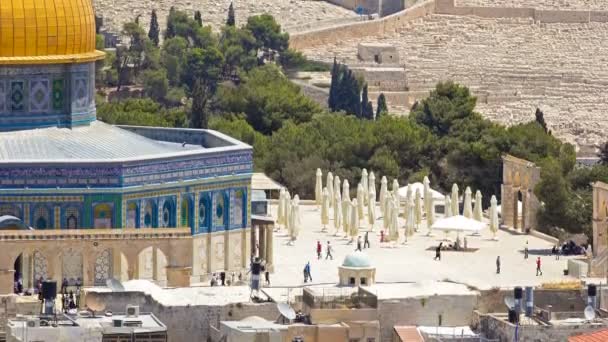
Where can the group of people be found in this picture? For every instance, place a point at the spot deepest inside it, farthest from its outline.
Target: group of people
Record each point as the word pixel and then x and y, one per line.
pixel 70 299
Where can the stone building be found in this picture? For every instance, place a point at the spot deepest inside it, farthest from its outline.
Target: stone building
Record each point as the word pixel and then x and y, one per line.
pixel 357 270
pixel 86 186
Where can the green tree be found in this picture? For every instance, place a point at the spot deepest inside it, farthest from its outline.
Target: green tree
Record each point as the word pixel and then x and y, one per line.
pixel 180 24
pixel 367 110
pixel 335 75
pixel 381 107
pixel 154 31
pixel 198 17
pixel 268 34
pixel 346 93
pixel 100 42
pixel 231 21
pixel 173 58
pixel 239 49
pixel 540 119
pixel 155 84
pixel 199 117
pixel 204 65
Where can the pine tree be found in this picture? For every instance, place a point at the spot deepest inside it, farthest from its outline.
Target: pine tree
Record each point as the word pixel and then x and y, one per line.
pixel 198 114
pixel 540 119
pixel 335 71
pixel 231 18
pixel 198 17
pixel 154 32
pixel 364 105
pixel 381 108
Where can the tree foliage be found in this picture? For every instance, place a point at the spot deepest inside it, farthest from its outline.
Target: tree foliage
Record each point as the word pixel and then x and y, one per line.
pixel 154 31
pixel 345 91
pixel 381 107
pixel 231 21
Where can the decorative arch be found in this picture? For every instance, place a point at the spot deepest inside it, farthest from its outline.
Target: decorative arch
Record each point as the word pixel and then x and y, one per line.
pixel 40 266
pixel 42 218
pixel 72 266
pixel 167 214
pixel 186 212
pixel 103 267
pixel 103 216
pixel 221 210
pixel 204 213
pixel 150 214
pixel 71 217
pixel 133 215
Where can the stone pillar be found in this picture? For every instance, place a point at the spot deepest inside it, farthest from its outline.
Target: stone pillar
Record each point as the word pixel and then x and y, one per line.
pixel 26 270
pixel 525 212
pixel 124 213
pixel 26 214
pixel 195 211
pixel 269 248
pixel 178 276
pixel 261 250
pixel 57 218
pixel 117 264
pixel 155 263
pixel 507 204
pixel 209 253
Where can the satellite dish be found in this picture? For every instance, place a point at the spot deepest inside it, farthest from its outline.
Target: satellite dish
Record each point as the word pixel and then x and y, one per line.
pixel 286 311
pixel 510 302
pixel 94 302
pixel 589 313
pixel 115 285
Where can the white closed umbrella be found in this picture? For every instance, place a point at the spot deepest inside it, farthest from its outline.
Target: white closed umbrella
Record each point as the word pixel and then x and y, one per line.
pixel 354 220
pixel 395 189
pixel 430 219
pixel 478 209
pixel 325 209
pixel 281 210
pixel 418 209
pixel 364 182
pixel 346 214
pixel 455 210
pixel 371 185
pixel 383 191
pixel 394 226
pixel 330 188
pixel 361 200
pixel 494 216
pixel 467 210
pixel 319 187
pixel 411 219
pixel 337 190
pixel 371 210
pixel 337 211
pixel 386 218
pixel 345 190
pixel 448 206
pixel 295 218
pixel 426 186
pixel 287 207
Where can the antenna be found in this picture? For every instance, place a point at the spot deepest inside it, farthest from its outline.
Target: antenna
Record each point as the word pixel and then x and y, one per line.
pixel 589 313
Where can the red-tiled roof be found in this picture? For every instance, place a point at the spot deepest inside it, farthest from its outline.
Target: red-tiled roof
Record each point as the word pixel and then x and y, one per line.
pixel 598 336
pixel 408 334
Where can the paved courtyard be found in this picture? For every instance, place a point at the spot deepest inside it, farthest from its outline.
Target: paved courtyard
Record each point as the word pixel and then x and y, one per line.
pixel 413 262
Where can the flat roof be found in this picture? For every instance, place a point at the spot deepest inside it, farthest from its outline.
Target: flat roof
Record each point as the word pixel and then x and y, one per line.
pixel 421 289
pixel 259 181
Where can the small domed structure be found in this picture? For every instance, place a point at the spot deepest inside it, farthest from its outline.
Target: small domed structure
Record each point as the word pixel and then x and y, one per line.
pixel 357 270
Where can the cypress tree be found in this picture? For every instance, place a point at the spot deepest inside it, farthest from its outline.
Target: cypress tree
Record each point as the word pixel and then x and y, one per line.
pixel 364 104
pixel 170 31
pixel 381 108
pixel 198 114
pixel 198 18
pixel 335 71
pixel 231 21
pixel 540 119
pixel 369 109
pixel 154 32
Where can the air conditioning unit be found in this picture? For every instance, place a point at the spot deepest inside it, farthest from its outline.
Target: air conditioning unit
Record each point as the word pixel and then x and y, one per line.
pixel 132 311
pixel 33 323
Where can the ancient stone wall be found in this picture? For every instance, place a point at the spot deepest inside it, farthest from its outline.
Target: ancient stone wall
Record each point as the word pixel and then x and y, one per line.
pixel 519 179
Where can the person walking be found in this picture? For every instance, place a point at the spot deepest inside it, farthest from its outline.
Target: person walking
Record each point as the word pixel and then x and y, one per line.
pixel 366 240
pixel 381 236
pixel 319 249
pixel 307 275
pixel 358 244
pixel 438 251
pixel 328 251
pixel 498 264
pixel 538 269
pixel 526 251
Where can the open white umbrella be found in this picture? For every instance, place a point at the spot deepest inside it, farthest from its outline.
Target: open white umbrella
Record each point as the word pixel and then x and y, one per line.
pixel 371 210
pixel 345 190
pixel 346 214
pixel 364 182
pixel 337 211
pixel 395 189
pixel 281 210
pixel 417 186
pixel 319 187
pixel 325 209
pixel 361 200
pixel 467 210
pixel 295 218
pixel 454 199
pixel 354 220
pixel 337 190
pixel 418 209
pixel 458 224
pixel 394 226
pixel 330 188
pixel 372 185
pixel 411 219
pixel 494 216
pixel 383 191
pixel 448 206
pixel 478 209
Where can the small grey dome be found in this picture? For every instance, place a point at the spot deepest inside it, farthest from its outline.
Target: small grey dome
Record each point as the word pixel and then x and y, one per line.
pixel 357 259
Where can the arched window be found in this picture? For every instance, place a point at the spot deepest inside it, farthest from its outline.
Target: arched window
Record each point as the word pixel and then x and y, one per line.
pixel 167 218
pixel 150 214
pixel 72 217
pixel 186 215
pixel 222 212
pixel 204 213
pixel 132 215
pixel 102 216
pixel 42 218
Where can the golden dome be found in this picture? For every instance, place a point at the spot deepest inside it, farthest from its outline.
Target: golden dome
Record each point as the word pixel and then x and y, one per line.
pixel 47 32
